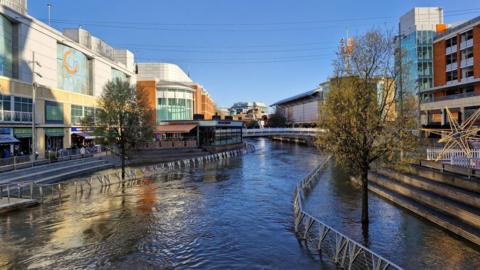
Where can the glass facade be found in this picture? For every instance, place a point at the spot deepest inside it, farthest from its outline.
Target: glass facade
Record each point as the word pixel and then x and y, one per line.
pixel 5 108
pixel 117 74
pixel 73 70
pixel 53 112
pixel 76 114
pixel 217 136
pixel 417 61
pixel 174 104
pixel 6 47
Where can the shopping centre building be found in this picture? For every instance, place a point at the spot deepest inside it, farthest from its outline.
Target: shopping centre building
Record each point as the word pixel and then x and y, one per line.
pixel 69 70
pixel 172 94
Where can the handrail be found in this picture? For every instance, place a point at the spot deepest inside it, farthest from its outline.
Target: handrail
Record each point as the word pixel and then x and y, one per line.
pixel 346 250
pixel 32 189
pixel 282 131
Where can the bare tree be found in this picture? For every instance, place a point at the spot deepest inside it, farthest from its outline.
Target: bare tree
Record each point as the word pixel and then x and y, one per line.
pixel 359 115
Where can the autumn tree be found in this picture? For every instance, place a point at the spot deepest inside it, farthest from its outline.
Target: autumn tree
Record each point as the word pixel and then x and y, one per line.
pixel 124 119
pixel 277 119
pixel 361 117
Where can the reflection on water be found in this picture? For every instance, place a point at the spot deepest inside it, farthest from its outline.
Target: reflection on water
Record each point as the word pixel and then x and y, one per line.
pixel 234 214
pixel 398 235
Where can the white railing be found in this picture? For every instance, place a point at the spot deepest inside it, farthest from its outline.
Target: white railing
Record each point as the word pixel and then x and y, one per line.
pixel 346 252
pixel 451 49
pixel 432 154
pixel 12 116
pixel 452 66
pixel 466 44
pixel 456 157
pixel 17 5
pixel 258 132
pixel 466 62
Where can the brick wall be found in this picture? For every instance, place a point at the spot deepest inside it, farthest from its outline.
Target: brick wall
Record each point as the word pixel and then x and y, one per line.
pixel 476 51
pixel 439 62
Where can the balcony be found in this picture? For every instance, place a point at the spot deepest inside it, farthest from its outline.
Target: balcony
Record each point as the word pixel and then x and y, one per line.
pixel 450 97
pixel 11 116
pixel 466 44
pixel 451 49
pixel 468 79
pixel 452 82
pixel 466 62
pixel 452 66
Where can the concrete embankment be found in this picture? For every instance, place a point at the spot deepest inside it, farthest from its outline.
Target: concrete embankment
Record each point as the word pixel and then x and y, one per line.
pixel 448 200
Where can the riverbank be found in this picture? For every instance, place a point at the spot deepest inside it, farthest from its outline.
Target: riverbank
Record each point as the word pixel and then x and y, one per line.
pixel 207 217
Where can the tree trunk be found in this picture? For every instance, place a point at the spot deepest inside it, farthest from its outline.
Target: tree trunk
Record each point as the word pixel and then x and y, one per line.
pixel 122 145
pixel 364 178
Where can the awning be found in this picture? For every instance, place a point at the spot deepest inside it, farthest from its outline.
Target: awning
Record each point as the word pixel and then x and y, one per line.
pixel 175 128
pixel 7 139
pixel 85 135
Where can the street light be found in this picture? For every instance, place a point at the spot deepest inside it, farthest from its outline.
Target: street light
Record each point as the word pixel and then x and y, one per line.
pixel 34 94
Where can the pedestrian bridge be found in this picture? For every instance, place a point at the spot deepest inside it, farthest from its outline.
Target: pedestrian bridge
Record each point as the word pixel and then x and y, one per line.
pixel 297 132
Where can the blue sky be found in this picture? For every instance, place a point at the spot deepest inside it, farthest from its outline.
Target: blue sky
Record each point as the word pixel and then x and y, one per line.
pixel 242 50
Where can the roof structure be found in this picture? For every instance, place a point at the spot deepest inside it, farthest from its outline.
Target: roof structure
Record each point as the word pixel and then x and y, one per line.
pixel 304 95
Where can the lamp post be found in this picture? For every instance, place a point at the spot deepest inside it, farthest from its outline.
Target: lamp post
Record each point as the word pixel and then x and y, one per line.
pixel 34 96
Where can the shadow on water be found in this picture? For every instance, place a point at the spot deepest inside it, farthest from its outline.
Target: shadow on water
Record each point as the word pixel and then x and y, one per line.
pixel 235 214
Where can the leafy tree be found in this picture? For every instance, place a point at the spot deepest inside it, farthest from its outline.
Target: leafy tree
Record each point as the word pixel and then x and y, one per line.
pixel 124 119
pixel 361 123
pixel 277 120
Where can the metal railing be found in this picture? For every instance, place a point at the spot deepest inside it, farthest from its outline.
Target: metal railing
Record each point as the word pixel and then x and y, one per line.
pixel 455 157
pixel 17 5
pixel 258 132
pixel 432 154
pixel 46 191
pixel 346 252
pixel 450 97
pixel 13 116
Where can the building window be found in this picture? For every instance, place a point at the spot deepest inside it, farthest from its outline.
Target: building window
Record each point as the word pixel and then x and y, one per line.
pixel 5 108
pixel 53 112
pixel 23 109
pixel 451 42
pixel 89 114
pixel 77 114
pixel 6 47
pixel 452 76
pixel 451 58
pixel 467 53
pixel 467 72
pixel 466 36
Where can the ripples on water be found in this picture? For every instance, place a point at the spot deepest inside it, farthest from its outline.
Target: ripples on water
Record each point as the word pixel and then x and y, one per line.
pixel 235 214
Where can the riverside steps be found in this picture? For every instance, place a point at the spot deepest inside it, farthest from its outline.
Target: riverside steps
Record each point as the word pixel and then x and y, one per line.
pixel 449 200
pixel 18 195
pixel 54 172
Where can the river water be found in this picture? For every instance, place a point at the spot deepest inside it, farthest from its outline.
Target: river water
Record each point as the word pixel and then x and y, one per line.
pixel 232 214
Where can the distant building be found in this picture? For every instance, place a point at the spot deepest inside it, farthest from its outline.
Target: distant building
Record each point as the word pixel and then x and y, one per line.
pixel 456 76
pixel 414 47
pixel 249 111
pixel 303 109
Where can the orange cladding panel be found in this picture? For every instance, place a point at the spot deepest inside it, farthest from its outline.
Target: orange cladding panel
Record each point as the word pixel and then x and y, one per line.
pixel 148 89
